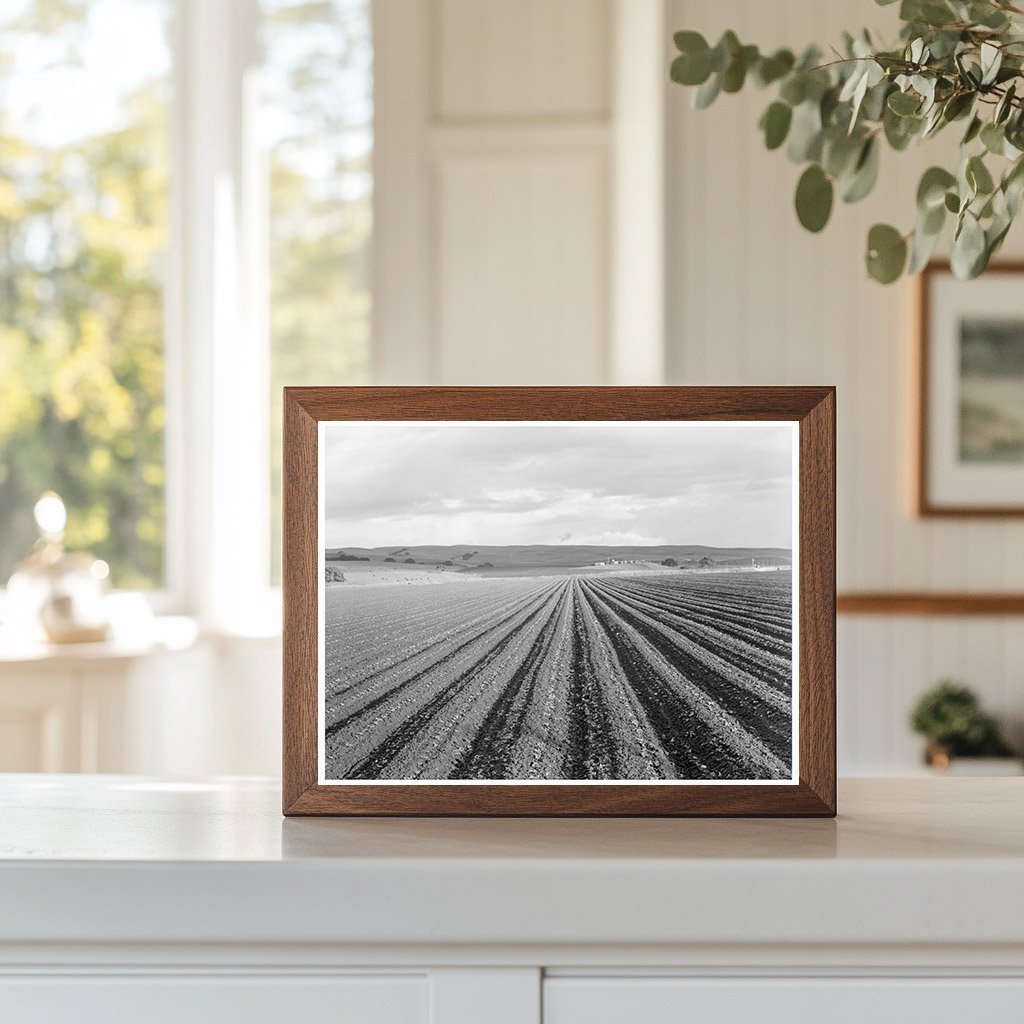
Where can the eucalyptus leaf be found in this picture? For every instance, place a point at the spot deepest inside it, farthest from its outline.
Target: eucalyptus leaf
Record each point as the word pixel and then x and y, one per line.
pixel 775 124
pixel 922 248
pixel 688 69
pixel 932 221
pixel 1014 192
pixel 957 106
pixel 1005 104
pixel 735 74
pixel 865 173
pixel 900 130
pixel 707 93
pixel 968 248
pixel 805 133
pixel 904 103
pixel 978 176
pixel 840 152
pixel 973 130
pixel 987 15
pixel 991 60
pixel 931 190
pixel 724 51
pixel 771 69
pixel 886 253
pixel 993 138
pixel 875 98
pixel 794 88
pixel 814 195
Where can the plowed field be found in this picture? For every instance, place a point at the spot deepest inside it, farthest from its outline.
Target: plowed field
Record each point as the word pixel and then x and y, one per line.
pixel 643 676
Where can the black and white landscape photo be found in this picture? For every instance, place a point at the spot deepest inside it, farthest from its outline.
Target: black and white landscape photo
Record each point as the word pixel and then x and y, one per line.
pixel 568 601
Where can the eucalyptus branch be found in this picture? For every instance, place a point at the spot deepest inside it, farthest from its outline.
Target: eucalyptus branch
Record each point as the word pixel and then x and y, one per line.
pixel 955 61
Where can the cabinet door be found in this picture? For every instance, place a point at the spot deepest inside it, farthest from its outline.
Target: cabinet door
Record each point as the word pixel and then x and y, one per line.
pixel 202 999
pixel 782 1001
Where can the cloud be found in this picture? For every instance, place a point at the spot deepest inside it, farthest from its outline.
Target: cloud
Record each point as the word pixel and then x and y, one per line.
pixel 727 484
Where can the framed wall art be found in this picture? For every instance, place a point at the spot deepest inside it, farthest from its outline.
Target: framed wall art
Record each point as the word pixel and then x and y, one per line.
pixel 559 601
pixel 970 444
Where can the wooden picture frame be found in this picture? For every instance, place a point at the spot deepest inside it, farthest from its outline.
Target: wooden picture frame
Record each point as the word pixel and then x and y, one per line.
pixel 940 488
pixel 312 412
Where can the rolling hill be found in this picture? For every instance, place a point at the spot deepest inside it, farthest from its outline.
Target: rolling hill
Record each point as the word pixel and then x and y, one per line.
pixel 539 556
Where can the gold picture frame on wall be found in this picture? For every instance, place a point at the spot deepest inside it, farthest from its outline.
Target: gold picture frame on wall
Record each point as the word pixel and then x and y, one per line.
pixel 970 386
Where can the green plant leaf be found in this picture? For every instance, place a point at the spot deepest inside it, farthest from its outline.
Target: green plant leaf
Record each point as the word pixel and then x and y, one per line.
pixel 930 12
pixel 775 124
pixel 931 191
pixel 865 173
pixel 707 93
pixel 952 202
pixel 1005 105
pixel 958 106
pixel 968 255
pixel 805 133
pixel 725 49
pixel 987 15
pixel 1013 187
pixel 991 57
pixel 794 88
pixel 973 130
pixel 931 221
pixel 993 138
pixel 689 71
pixel 873 107
pixel 771 69
pixel 903 103
pixel 839 151
pixel 900 130
pixel 978 176
pixel 922 247
pixel 735 74
pixel 886 253
pixel 693 65
pixel 814 195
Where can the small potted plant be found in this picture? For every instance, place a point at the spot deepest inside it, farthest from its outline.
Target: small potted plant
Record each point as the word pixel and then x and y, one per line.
pixel 950 718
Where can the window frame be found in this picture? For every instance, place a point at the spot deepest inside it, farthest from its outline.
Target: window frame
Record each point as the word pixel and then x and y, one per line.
pixel 216 347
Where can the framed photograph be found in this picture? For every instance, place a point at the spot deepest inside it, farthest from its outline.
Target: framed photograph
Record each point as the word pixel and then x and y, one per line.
pixel 970 450
pixel 559 601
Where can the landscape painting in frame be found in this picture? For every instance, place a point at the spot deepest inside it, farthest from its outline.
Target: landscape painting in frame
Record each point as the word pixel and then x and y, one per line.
pixel 551 602
pixel 971 459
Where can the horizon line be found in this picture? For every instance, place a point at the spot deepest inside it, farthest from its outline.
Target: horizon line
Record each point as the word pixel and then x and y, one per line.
pixel 567 544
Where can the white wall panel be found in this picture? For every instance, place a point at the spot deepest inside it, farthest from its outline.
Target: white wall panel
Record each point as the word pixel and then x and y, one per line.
pixel 522 285
pixel 494 207
pixel 754 299
pixel 525 58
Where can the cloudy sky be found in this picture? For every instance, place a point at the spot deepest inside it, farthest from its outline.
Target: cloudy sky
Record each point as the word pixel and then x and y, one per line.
pixel 720 484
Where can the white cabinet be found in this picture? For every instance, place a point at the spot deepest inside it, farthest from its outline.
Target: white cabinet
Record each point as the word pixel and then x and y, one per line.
pixel 216 1000
pixel 102 707
pixel 639 1000
pixel 128 899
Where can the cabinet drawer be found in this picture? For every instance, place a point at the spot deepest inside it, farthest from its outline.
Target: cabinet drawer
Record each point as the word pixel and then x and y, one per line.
pixel 201 999
pixel 627 1000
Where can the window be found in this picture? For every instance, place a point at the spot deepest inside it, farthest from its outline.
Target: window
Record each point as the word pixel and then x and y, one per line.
pixel 317 88
pixel 83 235
pixel 185 222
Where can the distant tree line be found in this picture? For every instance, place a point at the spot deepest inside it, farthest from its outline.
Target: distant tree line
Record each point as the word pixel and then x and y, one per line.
pixel 341 556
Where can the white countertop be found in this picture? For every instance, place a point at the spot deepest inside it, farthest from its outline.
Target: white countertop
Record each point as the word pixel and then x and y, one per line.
pixel 123 859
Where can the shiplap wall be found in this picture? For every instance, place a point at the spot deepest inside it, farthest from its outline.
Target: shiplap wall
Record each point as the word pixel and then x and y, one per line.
pixel 505 134
pixel 753 299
